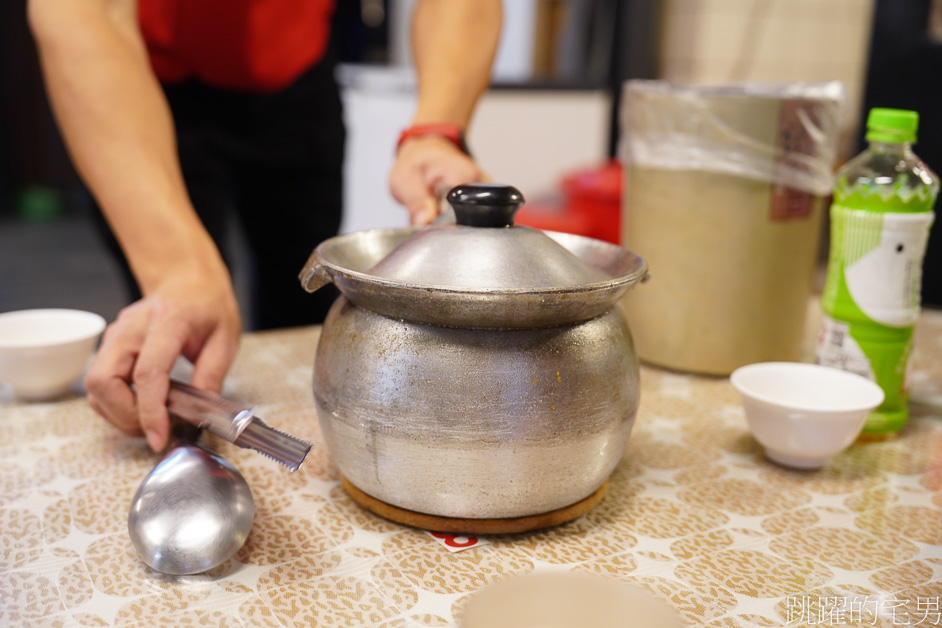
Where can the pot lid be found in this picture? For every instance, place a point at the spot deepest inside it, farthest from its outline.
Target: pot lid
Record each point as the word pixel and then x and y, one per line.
pixel 484 250
pixel 481 273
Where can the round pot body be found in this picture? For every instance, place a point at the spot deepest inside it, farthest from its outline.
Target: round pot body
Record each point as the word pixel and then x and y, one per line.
pixel 475 423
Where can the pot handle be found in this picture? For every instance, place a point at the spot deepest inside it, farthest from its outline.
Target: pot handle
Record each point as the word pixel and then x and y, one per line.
pixel 314 275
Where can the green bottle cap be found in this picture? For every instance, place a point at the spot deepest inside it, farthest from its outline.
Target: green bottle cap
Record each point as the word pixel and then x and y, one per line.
pixel 892 125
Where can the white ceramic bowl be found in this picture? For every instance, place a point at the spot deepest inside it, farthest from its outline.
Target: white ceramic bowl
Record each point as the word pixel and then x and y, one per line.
pixel 43 351
pixel 566 600
pixel 802 414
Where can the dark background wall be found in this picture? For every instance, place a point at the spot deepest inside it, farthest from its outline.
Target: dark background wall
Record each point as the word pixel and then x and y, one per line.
pixel 32 158
pixel 36 177
pixel 904 72
pixel 38 184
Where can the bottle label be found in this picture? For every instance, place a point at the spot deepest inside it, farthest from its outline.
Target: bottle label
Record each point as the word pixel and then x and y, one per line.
pixel 838 349
pixel 877 258
pixel 871 301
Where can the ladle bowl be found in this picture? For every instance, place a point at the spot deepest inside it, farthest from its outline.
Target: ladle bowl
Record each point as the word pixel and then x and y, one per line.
pixel 193 511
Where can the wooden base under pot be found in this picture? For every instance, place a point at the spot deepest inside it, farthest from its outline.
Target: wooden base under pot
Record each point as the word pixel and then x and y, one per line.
pixel 457 525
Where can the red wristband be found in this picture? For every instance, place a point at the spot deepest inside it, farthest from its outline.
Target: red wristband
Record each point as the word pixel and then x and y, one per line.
pixel 451 132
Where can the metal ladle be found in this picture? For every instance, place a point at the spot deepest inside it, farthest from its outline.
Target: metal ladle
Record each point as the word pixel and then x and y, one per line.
pixel 193 511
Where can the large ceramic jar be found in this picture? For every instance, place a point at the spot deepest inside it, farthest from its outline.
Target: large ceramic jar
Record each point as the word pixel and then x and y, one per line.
pixel 476 370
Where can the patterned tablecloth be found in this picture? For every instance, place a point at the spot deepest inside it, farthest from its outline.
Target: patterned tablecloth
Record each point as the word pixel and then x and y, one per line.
pixel 694 513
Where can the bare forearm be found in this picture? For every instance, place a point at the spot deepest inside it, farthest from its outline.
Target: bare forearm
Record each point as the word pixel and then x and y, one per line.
pixel 454 43
pixel 119 132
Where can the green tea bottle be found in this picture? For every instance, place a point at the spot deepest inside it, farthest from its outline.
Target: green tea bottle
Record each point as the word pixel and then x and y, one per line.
pixel 880 220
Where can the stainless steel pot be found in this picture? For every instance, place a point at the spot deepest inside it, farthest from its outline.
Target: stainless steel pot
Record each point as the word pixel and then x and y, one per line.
pixel 477 370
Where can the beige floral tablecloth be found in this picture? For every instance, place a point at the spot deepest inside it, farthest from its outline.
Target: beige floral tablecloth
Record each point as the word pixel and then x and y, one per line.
pixel 694 513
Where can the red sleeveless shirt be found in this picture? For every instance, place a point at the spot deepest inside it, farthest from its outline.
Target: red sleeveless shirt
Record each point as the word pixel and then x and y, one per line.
pixel 252 45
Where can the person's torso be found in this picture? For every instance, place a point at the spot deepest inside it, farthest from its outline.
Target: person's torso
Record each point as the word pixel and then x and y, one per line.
pixel 253 45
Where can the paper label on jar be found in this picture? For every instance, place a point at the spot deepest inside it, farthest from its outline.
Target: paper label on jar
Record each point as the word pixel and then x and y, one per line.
pixel 837 348
pixel 788 203
pixel 794 145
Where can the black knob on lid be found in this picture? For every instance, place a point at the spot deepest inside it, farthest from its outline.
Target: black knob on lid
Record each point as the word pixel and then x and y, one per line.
pixel 485 204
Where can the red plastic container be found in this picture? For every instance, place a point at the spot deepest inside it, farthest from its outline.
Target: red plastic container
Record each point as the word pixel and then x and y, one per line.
pixel 590 205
